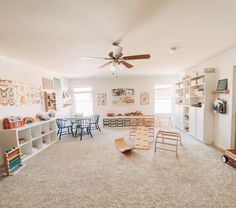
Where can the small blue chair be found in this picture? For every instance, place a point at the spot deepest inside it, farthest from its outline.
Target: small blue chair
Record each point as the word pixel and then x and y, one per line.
pixel 64 127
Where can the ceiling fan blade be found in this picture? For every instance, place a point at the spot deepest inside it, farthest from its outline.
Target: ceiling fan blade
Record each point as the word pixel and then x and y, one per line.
pixel 142 56
pixel 85 58
pixel 105 64
pixel 126 64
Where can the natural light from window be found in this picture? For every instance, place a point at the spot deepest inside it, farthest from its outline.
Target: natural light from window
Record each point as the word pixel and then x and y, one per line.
pixel 163 99
pixel 83 100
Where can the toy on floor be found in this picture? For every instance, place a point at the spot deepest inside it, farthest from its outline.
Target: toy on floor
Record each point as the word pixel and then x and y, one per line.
pixel 122 146
pixel 141 138
pixel 229 157
pixel 12 159
pixel 167 138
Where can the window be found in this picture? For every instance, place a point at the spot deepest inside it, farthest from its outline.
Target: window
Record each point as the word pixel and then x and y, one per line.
pixel 83 100
pixel 163 99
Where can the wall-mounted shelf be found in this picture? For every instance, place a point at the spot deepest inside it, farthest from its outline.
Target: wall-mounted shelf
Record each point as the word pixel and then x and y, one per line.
pixel 220 92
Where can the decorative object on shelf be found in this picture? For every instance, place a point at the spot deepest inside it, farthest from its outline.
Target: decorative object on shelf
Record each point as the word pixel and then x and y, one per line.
pixel 135 113
pixel 111 114
pixel 15 93
pixel 123 96
pixel 13 122
pixel 45 116
pixel 101 99
pixel 50 101
pixel 222 85
pixel 28 120
pixel 12 160
pixel 144 98
pixel 219 106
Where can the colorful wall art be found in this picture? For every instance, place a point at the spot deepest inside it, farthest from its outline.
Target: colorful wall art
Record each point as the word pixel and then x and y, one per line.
pixel 144 98
pixel 102 99
pixel 123 96
pixel 15 93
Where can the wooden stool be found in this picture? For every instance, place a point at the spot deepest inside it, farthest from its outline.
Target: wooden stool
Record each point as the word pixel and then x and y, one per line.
pixel 165 138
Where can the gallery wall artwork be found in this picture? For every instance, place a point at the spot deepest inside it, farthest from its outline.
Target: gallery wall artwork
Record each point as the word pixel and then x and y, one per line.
pixel 144 98
pixel 102 99
pixel 15 93
pixel 123 96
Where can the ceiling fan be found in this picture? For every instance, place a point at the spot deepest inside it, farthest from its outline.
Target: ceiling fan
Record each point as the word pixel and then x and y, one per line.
pixel 116 57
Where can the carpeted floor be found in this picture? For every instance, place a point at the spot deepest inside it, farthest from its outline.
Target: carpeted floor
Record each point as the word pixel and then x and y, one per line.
pixel 92 173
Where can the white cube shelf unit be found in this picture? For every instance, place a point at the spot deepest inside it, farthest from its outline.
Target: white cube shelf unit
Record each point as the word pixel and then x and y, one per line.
pixel 31 138
pixel 193 109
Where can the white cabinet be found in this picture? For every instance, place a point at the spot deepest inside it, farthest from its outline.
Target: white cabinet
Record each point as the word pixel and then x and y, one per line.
pixel 195 94
pixel 199 123
pixel 30 138
pixel 196 122
pixel 192 121
pixel 179 116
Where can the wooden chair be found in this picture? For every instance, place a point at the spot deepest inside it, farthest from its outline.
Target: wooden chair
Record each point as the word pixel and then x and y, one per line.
pixel 64 127
pixel 167 138
pixel 83 124
pixel 94 122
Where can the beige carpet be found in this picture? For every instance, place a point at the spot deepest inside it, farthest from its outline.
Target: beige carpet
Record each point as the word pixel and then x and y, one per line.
pixel 92 173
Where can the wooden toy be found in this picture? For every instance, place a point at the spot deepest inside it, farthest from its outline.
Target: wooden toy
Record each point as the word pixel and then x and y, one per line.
pixel 122 146
pixel 167 138
pixel 12 160
pixel 13 122
pixel 28 120
pixel 141 138
pixel 229 157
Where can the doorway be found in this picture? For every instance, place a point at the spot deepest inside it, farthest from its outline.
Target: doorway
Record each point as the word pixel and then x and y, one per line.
pixel 233 144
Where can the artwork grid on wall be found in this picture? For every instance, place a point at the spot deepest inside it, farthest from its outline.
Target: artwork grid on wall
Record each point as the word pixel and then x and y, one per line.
pixel 123 96
pixel 144 98
pixel 15 93
pixel 101 99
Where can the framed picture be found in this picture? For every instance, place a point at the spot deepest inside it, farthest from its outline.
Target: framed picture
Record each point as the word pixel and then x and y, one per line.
pixel 122 96
pixel 222 85
pixel 144 98
pixel 101 99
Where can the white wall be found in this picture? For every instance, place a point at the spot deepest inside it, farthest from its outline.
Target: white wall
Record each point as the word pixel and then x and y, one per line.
pixel 105 85
pixel 224 64
pixel 15 70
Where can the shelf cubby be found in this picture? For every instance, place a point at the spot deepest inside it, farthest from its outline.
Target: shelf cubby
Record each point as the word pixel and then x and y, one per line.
pixel 24 136
pixel 35 132
pixel 44 128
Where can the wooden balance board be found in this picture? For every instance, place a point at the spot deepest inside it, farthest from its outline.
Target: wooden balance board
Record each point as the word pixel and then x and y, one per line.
pixel 122 146
pixel 141 138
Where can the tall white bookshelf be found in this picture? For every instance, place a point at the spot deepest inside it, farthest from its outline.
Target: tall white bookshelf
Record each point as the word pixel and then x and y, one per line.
pixel 194 101
pixel 30 138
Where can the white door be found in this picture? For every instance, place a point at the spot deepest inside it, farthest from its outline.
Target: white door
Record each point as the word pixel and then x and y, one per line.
pixel 192 120
pixel 199 124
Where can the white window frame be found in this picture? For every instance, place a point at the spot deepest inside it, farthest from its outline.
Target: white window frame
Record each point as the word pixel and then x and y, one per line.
pixel 158 87
pixel 76 93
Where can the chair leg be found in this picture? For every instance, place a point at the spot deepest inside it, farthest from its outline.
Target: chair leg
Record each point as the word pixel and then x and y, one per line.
pixel 81 133
pixel 58 131
pixel 76 132
pixel 72 131
pixel 60 134
pixel 98 127
pixel 90 133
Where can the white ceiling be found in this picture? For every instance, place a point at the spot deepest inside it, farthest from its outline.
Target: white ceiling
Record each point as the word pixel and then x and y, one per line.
pixel 54 34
